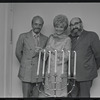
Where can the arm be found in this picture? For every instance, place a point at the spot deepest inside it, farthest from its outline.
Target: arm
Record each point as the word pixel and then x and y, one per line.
pixel 19 48
pixel 48 45
pixel 42 50
pixel 67 47
pixel 95 44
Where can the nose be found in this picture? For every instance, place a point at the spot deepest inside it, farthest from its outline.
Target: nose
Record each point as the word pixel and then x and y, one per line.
pixel 38 26
pixel 74 26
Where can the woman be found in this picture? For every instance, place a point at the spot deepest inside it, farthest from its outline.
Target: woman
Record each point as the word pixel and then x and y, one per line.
pixel 58 41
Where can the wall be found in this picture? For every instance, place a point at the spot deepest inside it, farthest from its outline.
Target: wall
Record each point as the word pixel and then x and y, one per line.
pixel 23 13
pixel 3 48
pixel 2 35
pixel 8 50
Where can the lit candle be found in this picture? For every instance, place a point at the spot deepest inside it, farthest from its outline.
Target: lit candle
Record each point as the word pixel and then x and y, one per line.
pixel 44 62
pixel 62 61
pixel 49 62
pixel 74 63
pixel 68 63
pixel 39 63
pixel 55 61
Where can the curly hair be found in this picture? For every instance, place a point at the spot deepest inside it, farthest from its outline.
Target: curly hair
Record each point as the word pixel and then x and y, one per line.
pixel 60 20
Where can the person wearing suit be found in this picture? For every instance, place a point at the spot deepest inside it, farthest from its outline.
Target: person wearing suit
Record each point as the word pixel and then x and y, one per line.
pixel 87 46
pixel 27 52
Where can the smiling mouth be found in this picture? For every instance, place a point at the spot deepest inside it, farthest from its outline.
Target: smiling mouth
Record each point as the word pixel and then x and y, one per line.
pixel 75 28
pixel 37 29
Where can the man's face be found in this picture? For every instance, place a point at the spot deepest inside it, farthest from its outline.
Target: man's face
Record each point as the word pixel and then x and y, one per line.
pixel 37 25
pixel 75 26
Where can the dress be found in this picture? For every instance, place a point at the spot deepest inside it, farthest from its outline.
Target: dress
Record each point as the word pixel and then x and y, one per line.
pixel 58 43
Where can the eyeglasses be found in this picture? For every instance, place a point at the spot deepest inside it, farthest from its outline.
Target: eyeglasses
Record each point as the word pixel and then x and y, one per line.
pixel 75 24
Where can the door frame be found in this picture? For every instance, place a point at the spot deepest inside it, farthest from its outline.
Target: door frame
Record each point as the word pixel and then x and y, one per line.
pixel 8 48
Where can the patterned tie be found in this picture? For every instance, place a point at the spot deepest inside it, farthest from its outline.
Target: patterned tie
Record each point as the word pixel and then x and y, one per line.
pixel 37 40
pixel 74 38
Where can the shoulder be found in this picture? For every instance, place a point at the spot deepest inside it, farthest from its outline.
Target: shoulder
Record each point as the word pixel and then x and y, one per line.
pixel 68 38
pixel 44 36
pixel 51 36
pixel 92 35
pixel 22 35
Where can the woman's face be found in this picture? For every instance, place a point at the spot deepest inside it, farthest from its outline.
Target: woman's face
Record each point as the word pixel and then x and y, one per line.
pixel 59 29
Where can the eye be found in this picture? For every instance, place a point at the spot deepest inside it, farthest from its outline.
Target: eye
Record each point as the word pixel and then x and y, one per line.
pixel 40 24
pixel 76 23
pixel 71 24
pixel 35 24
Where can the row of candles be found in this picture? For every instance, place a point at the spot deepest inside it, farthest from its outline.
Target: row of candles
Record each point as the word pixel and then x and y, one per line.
pixel 55 69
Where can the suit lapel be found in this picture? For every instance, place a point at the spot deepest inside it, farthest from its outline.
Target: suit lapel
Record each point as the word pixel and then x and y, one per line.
pixel 41 39
pixel 31 40
pixel 82 36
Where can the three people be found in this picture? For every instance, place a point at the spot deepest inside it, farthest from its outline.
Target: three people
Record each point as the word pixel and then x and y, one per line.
pixel 85 43
pixel 28 46
pixel 87 46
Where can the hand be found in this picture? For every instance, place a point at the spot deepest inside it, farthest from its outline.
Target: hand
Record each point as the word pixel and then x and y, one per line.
pixel 37 49
pixel 60 58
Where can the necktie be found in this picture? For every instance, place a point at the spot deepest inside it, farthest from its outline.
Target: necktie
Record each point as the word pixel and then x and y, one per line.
pixel 74 39
pixel 37 40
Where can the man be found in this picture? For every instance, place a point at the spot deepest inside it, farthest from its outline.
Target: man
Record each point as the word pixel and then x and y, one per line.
pixel 87 46
pixel 27 52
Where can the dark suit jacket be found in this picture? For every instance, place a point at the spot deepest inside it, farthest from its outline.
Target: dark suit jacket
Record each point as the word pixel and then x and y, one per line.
pixel 28 58
pixel 87 48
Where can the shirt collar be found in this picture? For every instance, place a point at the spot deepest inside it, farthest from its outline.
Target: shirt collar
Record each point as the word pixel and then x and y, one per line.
pixel 35 35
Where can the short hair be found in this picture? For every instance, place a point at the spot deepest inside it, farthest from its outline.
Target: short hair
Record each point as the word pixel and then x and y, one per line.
pixel 61 19
pixel 80 20
pixel 77 18
pixel 37 17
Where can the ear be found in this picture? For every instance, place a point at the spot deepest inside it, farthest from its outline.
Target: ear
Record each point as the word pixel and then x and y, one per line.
pixel 82 25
